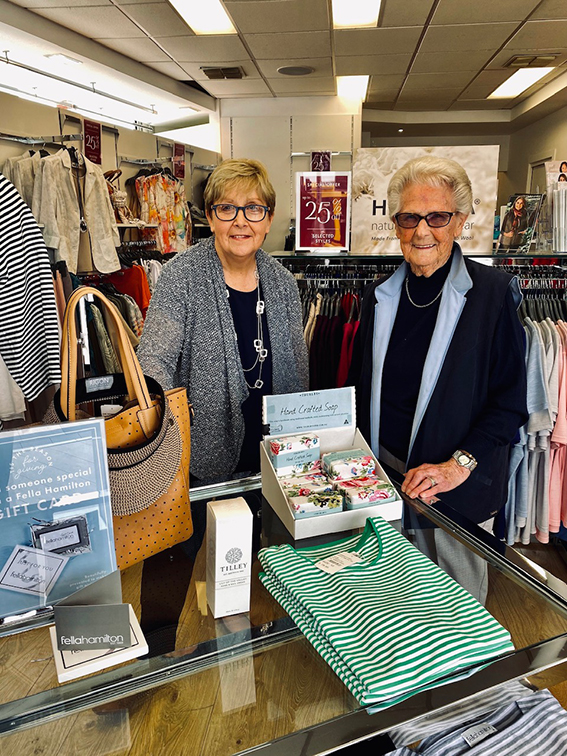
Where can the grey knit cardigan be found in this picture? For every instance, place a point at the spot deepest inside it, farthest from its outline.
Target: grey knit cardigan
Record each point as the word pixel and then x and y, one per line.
pixel 189 340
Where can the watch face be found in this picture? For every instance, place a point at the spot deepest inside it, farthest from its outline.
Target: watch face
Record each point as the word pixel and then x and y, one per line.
pixel 463 460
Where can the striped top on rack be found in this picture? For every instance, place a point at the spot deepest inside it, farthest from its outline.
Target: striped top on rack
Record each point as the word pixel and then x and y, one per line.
pixel 389 625
pixel 29 330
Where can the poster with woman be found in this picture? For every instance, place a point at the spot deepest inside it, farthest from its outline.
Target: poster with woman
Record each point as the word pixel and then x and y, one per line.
pixel 519 223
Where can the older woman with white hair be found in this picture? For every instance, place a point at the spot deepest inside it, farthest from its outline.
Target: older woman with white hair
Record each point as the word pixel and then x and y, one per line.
pixel 439 358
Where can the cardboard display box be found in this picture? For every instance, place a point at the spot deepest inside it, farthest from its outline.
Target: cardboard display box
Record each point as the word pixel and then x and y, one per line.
pixel 342 437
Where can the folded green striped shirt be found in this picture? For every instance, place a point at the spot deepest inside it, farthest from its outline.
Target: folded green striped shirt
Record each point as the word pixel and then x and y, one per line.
pixel 389 625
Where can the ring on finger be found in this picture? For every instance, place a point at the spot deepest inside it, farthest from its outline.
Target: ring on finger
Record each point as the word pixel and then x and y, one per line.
pixel 433 481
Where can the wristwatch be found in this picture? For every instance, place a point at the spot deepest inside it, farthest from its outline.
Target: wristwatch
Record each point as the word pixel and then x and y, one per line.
pixel 464 459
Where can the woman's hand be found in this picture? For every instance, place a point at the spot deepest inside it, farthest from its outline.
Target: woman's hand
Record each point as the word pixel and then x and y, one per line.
pixel 427 481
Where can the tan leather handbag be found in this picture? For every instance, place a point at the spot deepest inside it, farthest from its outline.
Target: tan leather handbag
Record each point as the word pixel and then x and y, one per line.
pixel 148 442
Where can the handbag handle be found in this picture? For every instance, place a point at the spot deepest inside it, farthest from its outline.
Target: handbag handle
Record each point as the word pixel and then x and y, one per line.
pixel 135 381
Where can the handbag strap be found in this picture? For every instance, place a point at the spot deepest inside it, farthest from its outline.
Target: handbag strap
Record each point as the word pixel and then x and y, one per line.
pixel 135 380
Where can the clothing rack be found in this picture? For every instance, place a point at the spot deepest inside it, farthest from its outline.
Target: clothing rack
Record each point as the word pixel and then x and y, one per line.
pixel 144 161
pixel 53 139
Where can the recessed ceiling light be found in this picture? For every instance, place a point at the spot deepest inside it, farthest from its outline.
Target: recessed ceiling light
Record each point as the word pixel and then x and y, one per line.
pixel 351 14
pixel 519 82
pixel 65 59
pixel 352 87
pixel 400 131
pixel 207 17
pixel 295 70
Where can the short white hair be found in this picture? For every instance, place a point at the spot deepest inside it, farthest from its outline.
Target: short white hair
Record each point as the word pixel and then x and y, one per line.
pixel 429 170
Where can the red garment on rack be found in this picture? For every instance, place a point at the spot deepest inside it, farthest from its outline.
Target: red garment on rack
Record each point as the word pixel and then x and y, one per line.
pixel 133 281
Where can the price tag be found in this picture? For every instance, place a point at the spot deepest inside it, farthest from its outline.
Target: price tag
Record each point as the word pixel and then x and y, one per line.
pixel 338 562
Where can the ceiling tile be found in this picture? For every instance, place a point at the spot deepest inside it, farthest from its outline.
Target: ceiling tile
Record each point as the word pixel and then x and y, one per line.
pixel 383 97
pixel 540 35
pixel 139 49
pixel 457 11
pixel 322 66
pixel 294 45
pixel 249 69
pixel 226 88
pixel 257 16
pixel 464 104
pixel 465 37
pixel 448 62
pixel 385 83
pixel 158 19
pixel 94 21
pixel 354 65
pixel 33 4
pixel 376 41
pixel 169 68
pixel 425 82
pixel 408 13
pixel 303 85
pixel 205 49
pixel 485 83
pixel 551 9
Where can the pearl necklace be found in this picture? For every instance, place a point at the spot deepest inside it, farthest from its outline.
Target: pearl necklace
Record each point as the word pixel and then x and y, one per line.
pixel 261 351
pixel 418 305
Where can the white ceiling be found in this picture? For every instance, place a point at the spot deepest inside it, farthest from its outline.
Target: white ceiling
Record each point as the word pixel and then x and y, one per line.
pixel 425 55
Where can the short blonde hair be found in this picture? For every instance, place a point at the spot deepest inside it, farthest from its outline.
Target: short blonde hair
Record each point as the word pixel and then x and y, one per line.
pixel 250 174
pixel 429 170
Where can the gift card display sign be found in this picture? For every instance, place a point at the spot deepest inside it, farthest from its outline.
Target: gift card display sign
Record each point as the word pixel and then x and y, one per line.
pixel 56 532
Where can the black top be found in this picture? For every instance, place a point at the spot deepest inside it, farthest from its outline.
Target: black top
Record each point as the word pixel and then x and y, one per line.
pixel 243 307
pixel 405 358
pixel 479 399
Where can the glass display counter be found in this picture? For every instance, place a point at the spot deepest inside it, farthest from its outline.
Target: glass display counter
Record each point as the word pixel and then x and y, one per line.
pixel 252 682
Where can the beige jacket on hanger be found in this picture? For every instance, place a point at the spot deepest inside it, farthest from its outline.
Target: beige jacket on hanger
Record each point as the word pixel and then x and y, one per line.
pixel 56 206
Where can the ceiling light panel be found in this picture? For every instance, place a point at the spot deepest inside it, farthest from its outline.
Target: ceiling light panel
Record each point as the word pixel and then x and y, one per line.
pixel 352 87
pixel 355 14
pixel 519 82
pixel 207 17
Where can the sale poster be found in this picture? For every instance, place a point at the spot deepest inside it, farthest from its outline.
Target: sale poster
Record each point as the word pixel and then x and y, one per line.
pixel 323 211
pixel 93 149
pixel 179 160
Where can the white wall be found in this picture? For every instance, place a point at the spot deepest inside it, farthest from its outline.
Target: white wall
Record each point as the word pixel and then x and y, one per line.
pixel 269 130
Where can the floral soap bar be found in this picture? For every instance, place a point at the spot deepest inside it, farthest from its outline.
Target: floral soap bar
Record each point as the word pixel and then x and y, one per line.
pixel 343 465
pixel 306 485
pixel 365 492
pixel 295 455
pixel 315 504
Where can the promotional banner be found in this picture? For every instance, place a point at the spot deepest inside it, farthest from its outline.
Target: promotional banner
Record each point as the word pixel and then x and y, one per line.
pixel 322 211
pixel 56 533
pixel 179 160
pixel 321 160
pixel 93 147
pixel 373 232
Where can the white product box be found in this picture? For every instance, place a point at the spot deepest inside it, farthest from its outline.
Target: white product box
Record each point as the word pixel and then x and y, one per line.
pixel 340 437
pixel 229 556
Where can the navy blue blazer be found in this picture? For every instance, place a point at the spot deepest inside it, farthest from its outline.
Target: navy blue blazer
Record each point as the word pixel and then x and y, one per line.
pixel 473 389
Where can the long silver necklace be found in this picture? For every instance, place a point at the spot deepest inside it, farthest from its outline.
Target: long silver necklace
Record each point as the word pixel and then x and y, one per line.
pixel 418 305
pixel 261 351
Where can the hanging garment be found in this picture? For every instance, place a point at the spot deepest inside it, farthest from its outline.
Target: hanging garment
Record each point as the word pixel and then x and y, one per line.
pixel 390 623
pixel 69 213
pixel 12 402
pixel 133 281
pixel 29 332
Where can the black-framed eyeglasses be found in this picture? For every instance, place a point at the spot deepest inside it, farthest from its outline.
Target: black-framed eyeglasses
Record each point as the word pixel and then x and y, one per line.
pixel 252 213
pixel 433 220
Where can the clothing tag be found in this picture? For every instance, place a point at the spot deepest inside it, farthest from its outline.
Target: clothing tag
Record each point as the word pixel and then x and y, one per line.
pixel 108 410
pixel 478 732
pixel 338 562
pixel 100 383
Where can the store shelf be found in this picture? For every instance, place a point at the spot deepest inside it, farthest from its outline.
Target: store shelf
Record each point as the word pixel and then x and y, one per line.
pixel 133 225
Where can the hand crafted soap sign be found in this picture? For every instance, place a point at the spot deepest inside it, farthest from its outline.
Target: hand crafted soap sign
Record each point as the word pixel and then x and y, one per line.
pixel 55 517
pixel 323 211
